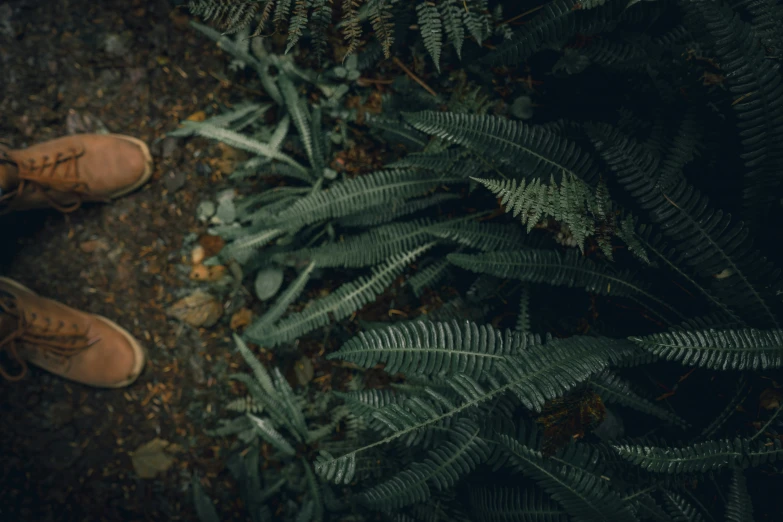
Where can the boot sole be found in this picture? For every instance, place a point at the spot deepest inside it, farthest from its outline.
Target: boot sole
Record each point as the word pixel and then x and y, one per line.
pixel 147 162
pixel 140 356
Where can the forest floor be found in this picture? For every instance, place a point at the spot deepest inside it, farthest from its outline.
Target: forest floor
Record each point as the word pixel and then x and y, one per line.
pixel 135 68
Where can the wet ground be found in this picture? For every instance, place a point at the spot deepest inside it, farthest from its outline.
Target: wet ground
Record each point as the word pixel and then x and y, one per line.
pixel 132 67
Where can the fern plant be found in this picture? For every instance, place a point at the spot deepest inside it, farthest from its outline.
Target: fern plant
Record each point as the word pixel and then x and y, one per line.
pixel 527 411
pixel 275 417
pixel 446 20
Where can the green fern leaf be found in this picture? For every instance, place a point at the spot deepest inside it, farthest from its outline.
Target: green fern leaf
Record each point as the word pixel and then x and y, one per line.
pixel 385 213
pixel 679 509
pixel 297 108
pixel 523 319
pixel 451 13
pixel 233 15
pixel 370 248
pixel 271 435
pixel 352 29
pixel 738 349
pixel 739 507
pixel 380 17
pixel 514 504
pixel 702 457
pixel 586 497
pixel 613 389
pixel 487 237
pixel 359 194
pixel 709 243
pixel 281 304
pixel 431 348
pixel 535 151
pixel 240 141
pixel 340 304
pixel 429 276
pixel 443 467
pixel 431 30
pixel 297 23
pixel 554 268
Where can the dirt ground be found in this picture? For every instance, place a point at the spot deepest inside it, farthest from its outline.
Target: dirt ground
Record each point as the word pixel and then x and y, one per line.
pixel 133 67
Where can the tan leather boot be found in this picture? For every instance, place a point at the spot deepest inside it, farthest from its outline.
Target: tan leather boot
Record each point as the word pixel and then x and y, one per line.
pixel 65 172
pixel 81 347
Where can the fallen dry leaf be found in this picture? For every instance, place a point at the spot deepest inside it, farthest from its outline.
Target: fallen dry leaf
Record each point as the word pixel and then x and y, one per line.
pixel 198 309
pixel 199 273
pixel 241 318
pixel 197 116
pixel 153 457
pixel 94 245
pixel 212 245
pixel 770 399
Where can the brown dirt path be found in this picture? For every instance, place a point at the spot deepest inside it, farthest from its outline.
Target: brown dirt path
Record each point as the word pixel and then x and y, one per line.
pixel 139 69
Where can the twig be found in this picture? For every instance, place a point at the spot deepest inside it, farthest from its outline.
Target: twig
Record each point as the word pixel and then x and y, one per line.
pixel 517 17
pixel 414 77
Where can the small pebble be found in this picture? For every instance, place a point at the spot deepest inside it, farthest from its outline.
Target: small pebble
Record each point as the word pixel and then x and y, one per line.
pixel 197 254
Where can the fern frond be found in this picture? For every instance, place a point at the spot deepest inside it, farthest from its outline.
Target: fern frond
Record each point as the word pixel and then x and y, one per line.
pixel 429 276
pixel 554 24
pixel 341 303
pixel 554 268
pixel 381 20
pixel 585 496
pixel 232 15
pixel 756 88
pixel 534 376
pixel 241 248
pixel 244 404
pixel 482 236
pixel 282 302
pixel 270 435
pixel 702 457
pixel 572 203
pixel 475 16
pixel 737 349
pixel 514 504
pixel 352 29
pixel 370 248
pixel 385 213
pixel 451 13
pixel 612 389
pixel 297 23
pixel 431 30
pixel 535 151
pixel 441 469
pixel 739 507
pixel 707 240
pixel 431 348
pixel 679 509
pixel 300 114
pixel 359 194
pixel 523 318
pixel 282 13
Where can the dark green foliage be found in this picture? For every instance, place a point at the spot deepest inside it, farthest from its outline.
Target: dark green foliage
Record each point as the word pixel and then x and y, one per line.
pixel 510 504
pixel 756 89
pixel 702 457
pixel 432 348
pixel 679 109
pixel 719 349
pixel 739 507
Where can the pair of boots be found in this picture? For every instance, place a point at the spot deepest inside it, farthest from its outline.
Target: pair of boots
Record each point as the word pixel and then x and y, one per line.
pixel 63 173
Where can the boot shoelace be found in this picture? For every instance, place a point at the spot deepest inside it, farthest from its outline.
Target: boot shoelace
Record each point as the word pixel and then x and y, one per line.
pixel 57 340
pixel 60 175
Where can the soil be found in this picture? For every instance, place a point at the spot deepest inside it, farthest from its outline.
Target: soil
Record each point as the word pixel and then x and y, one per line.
pixel 134 68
